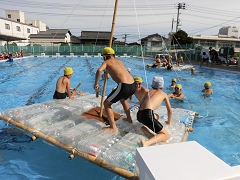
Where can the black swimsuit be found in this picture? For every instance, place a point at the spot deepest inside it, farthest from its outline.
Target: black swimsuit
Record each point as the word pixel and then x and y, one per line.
pixel 146 116
pixel 58 95
pixel 123 91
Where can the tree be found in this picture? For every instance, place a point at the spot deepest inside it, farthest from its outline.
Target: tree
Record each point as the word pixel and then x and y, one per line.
pixel 181 37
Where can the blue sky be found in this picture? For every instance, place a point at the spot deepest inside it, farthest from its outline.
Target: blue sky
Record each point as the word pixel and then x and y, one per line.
pixel 135 18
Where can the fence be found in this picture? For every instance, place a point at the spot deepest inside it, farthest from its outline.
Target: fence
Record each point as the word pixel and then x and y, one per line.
pixel 187 51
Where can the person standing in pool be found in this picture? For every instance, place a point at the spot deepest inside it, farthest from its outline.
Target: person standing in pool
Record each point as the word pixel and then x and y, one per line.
pixel 149 102
pixel 207 89
pixel 63 88
pixel 173 83
pixel 177 94
pixel 126 86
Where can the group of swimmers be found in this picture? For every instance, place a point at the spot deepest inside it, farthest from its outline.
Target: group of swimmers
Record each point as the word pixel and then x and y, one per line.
pixel 9 56
pixel 127 86
pixel 166 62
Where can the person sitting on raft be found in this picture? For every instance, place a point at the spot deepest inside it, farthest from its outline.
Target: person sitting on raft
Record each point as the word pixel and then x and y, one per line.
pixel 156 64
pixel 63 88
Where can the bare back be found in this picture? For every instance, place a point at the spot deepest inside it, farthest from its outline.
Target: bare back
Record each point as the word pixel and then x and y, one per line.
pixel 153 100
pixel 62 84
pixel 118 71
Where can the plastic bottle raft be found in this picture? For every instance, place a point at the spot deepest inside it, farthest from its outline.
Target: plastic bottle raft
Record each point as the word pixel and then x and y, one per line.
pixel 61 123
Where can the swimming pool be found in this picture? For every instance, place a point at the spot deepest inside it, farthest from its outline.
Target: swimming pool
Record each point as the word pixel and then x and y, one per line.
pixel 32 80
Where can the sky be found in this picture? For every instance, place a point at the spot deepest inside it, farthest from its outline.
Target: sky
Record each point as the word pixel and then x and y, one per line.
pixel 135 19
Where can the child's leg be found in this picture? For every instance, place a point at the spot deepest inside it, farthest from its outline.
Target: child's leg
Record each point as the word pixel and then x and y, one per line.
pixel 127 110
pixel 159 137
pixel 109 112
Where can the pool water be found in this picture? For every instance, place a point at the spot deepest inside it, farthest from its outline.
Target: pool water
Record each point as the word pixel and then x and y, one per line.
pixel 33 80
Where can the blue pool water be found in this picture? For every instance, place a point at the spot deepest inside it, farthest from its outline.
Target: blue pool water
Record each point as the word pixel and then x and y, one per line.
pixel 32 80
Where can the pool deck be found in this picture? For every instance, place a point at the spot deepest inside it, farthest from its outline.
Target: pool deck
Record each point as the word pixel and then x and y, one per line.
pixel 230 68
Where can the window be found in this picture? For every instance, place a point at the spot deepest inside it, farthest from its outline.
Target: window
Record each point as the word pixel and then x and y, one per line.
pixel 18 28
pixel 9 16
pixel 237 44
pixel 28 30
pixel 7 26
pixel 18 20
pixel 224 44
pixel 155 43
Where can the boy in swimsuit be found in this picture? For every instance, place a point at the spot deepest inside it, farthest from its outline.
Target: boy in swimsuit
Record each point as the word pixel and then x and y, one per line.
pixel 173 84
pixel 126 86
pixel 177 94
pixel 207 89
pixel 149 102
pixel 193 71
pixel 63 88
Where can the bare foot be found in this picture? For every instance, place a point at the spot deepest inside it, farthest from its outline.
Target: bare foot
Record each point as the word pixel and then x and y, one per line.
pixel 146 131
pixel 109 129
pixel 128 120
pixel 143 142
pixel 169 122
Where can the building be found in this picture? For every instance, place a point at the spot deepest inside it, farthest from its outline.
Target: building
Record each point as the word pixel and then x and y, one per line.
pixel 14 28
pixel 96 37
pixel 153 40
pixel 51 36
pixel 227 36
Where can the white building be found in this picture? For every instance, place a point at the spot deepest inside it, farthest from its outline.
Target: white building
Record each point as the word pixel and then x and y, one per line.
pixel 227 36
pixel 14 28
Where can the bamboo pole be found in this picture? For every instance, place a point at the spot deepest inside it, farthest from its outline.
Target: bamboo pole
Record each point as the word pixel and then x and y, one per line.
pixel 102 163
pixel 110 45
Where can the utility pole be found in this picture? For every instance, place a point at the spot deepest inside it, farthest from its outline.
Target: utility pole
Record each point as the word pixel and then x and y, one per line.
pixel 180 6
pixel 125 38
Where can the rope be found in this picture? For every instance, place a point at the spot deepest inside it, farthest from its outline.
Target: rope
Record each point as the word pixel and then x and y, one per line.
pixel 144 66
pixel 66 19
pixel 100 25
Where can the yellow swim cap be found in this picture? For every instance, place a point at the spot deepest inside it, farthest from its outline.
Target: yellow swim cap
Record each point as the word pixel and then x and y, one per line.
pixel 174 80
pixel 207 84
pixel 108 51
pixel 193 69
pixel 178 86
pixel 68 71
pixel 170 56
pixel 138 79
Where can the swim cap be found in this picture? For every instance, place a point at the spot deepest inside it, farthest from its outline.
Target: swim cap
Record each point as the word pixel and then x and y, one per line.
pixel 68 71
pixel 174 80
pixel 163 56
pixel 129 69
pixel 207 84
pixel 138 79
pixel 170 56
pixel 149 65
pixel 108 51
pixel 193 69
pixel 179 86
pixel 157 82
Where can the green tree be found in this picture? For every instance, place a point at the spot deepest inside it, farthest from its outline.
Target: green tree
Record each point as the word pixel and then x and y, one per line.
pixel 181 37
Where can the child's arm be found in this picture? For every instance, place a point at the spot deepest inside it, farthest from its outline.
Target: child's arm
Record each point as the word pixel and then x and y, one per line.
pixel 69 89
